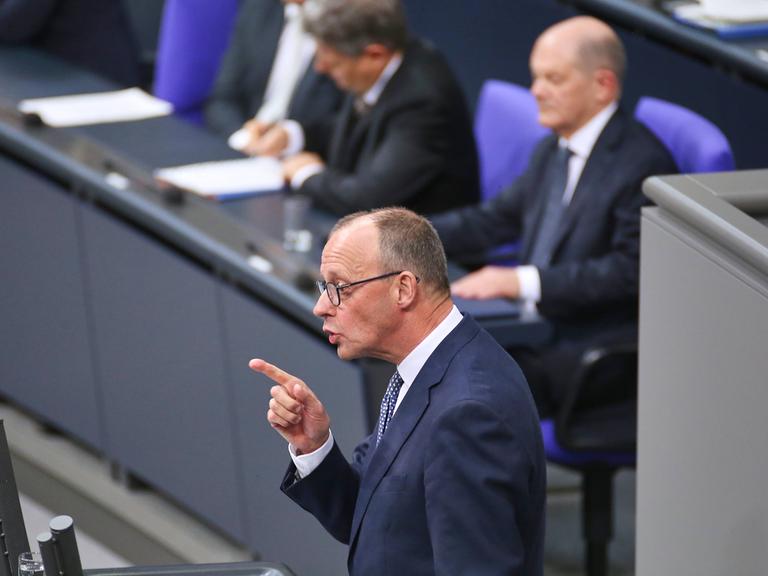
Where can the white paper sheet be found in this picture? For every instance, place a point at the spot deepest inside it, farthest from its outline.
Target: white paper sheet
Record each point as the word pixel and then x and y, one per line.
pixel 227 178
pixel 98 108
pixel 726 11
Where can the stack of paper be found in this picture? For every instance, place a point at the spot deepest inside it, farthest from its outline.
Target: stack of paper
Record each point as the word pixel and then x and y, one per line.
pixel 102 107
pixel 731 19
pixel 227 178
pixel 735 11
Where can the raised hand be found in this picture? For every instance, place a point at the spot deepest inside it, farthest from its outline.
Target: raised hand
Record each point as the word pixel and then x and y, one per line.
pixel 294 410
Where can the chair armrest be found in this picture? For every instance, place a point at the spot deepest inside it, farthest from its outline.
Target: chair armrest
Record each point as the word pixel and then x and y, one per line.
pixel 599 412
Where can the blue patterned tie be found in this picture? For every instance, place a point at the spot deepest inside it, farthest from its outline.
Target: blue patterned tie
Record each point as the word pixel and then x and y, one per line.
pixel 388 404
pixel 541 254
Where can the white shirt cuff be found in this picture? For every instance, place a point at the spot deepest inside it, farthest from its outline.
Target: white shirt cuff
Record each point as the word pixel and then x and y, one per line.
pixel 239 140
pixel 530 283
pixel 295 137
pixel 306 463
pixel 304 174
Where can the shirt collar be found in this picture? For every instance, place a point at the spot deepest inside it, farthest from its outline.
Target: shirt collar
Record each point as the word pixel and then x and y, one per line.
pixel 291 11
pixel 412 364
pixel 583 140
pixel 374 92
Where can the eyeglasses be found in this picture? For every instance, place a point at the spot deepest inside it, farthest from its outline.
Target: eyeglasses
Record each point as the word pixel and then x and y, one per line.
pixel 334 290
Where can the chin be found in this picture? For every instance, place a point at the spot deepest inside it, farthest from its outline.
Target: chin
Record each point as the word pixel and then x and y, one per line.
pixel 346 353
pixel 548 122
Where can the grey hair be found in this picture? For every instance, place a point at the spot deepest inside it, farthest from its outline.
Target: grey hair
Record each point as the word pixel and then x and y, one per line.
pixel 348 26
pixel 407 241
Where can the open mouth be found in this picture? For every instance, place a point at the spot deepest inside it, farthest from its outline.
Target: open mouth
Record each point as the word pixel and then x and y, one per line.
pixel 333 337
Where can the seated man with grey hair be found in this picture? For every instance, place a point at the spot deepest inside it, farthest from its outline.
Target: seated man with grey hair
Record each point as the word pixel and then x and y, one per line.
pixel 452 479
pixel 575 210
pixel 403 135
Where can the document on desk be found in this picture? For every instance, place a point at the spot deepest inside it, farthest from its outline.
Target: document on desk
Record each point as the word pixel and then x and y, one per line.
pixel 226 179
pixel 729 20
pixel 97 108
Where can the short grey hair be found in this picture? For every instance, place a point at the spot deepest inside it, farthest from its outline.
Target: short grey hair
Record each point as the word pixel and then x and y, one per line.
pixel 350 25
pixel 407 241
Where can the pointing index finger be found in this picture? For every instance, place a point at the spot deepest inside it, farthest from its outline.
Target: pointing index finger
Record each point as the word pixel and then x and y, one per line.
pixel 272 372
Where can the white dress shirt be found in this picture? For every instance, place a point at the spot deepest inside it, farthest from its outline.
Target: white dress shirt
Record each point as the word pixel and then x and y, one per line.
pixel 295 50
pixel 408 368
pixel 580 144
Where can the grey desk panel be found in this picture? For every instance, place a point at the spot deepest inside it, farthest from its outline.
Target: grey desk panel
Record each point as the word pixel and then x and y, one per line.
pixel 159 339
pixel 45 359
pixel 278 528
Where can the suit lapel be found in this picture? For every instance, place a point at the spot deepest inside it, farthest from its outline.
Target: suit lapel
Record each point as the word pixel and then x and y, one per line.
pixel 340 142
pixel 592 177
pixel 408 416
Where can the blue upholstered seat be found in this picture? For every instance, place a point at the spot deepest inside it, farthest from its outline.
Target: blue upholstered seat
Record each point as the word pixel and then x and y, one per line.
pixel 194 35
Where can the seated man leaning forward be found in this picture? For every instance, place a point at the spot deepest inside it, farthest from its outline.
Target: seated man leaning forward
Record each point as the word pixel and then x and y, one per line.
pixel 452 479
pixel 575 210
pixel 404 133
pixel 267 76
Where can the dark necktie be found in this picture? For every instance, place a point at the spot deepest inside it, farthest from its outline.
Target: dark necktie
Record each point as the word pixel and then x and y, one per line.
pixel 360 106
pixel 388 404
pixel 541 254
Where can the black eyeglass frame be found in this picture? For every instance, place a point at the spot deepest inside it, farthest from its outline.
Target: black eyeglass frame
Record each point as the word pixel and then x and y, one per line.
pixel 323 286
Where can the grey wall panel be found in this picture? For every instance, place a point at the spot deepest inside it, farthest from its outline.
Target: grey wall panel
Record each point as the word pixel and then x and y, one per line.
pixel 157 326
pixel 45 359
pixel 278 528
pixel 703 467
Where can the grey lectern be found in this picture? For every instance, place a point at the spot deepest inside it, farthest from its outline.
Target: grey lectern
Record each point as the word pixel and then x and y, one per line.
pixel 13 534
pixel 702 471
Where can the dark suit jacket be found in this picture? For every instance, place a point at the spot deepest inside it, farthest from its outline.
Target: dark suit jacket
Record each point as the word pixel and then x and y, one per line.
pixel 593 277
pixel 457 484
pixel 414 148
pixel 94 34
pixel 238 92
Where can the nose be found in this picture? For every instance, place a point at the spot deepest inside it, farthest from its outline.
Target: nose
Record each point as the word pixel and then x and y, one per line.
pixel 323 306
pixel 536 88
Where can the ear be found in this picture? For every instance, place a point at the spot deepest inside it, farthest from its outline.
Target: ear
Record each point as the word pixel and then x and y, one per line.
pixel 377 51
pixel 406 287
pixel 607 85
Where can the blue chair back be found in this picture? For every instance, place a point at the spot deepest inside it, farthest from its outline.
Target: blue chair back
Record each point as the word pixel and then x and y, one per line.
pixel 507 130
pixel 194 35
pixel 696 144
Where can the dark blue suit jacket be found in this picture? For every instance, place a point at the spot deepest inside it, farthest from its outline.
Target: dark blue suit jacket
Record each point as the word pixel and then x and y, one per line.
pixel 457 485
pixel 238 92
pixel 593 276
